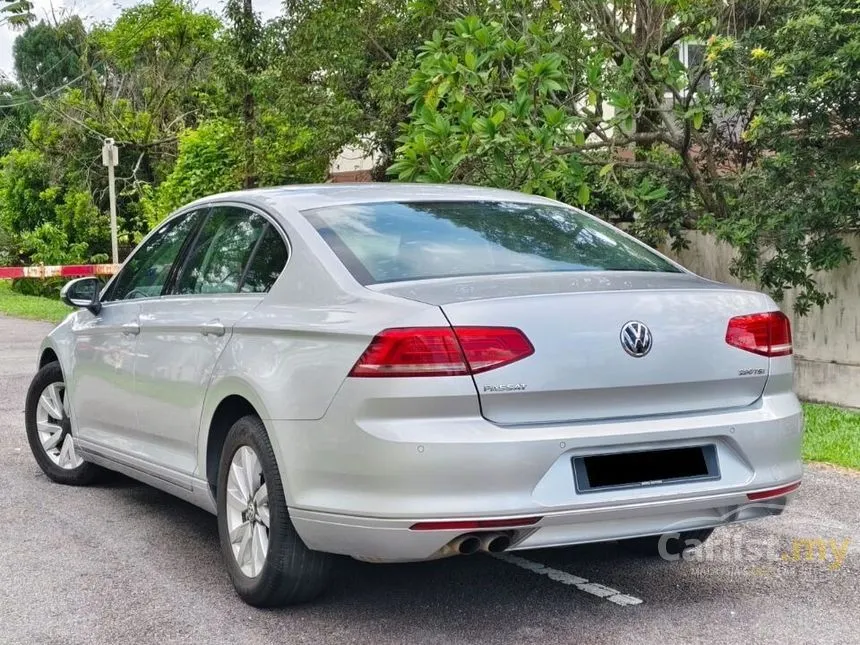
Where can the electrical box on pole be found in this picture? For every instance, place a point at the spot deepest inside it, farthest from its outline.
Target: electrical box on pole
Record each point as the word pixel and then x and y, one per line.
pixel 110 158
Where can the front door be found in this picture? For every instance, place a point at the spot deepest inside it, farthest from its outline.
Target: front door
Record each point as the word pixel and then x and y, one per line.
pixel 101 383
pixel 102 390
pixel 183 334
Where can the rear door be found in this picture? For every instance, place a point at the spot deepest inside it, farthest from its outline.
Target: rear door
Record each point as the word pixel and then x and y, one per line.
pixel 233 261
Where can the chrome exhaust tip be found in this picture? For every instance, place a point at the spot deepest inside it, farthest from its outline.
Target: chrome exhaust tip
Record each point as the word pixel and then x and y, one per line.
pixel 495 542
pixel 467 544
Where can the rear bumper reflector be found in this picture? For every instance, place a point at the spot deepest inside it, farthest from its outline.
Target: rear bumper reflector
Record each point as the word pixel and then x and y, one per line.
pixel 773 492
pixel 474 525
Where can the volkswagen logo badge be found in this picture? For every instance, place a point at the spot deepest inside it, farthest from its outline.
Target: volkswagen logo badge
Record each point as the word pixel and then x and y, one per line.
pixel 636 338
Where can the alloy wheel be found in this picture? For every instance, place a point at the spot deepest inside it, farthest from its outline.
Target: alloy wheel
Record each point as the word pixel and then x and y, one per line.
pixel 54 427
pixel 248 511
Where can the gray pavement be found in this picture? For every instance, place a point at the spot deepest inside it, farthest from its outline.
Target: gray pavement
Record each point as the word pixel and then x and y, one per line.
pixel 124 563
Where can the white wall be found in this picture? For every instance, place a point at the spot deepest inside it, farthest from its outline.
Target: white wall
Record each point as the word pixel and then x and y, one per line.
pixel 353 158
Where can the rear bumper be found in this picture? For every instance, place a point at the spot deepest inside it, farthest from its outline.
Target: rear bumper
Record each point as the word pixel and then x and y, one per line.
pixel 385 540
pixel 356 487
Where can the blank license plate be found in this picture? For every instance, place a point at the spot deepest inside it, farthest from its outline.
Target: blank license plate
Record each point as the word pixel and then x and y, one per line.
pixel 646 468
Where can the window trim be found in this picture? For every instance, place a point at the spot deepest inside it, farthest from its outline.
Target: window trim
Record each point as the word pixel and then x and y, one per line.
pixel 206 206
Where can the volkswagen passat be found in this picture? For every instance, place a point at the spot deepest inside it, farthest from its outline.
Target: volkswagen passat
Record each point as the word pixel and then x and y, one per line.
pixel 404 372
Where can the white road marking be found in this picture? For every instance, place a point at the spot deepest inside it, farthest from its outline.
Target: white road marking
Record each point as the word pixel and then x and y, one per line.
pixel 594 588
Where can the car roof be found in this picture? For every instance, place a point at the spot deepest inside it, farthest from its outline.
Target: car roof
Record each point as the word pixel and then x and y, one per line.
pixel 309 196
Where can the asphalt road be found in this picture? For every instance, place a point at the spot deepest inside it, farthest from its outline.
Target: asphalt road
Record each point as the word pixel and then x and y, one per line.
pixel 125 563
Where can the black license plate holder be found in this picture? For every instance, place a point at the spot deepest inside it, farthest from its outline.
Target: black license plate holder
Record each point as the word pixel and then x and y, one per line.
pixel 645 468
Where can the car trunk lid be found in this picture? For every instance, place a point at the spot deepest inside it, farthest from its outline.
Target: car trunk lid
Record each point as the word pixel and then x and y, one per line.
pixel 580 369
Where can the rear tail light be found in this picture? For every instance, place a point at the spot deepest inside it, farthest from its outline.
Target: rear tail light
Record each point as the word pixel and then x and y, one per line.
pixel 441 351
pixel 487 348
pixel 767 334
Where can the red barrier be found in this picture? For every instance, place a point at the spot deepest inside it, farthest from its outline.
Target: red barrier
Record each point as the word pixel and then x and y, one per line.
pixel 68 271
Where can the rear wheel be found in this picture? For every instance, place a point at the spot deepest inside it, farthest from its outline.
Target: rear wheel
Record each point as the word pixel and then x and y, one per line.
pixel 667 545
pixel 268 563
pixel 49 429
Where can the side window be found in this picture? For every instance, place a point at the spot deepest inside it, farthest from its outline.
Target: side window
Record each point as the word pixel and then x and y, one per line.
pixel 217 261
pixel 148 269
pixel 266 264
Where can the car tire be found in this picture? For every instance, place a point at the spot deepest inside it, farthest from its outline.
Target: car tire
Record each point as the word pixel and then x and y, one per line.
pixel 269 566
pixel 674 545
pixel 46 417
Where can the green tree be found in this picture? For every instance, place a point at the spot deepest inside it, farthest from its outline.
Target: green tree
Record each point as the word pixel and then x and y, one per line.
pixel 593 104
pixel 244 41
pixel 485 108
pixel 49 57
pixel 48 222
pixel 17 13
pixel 345 63
pixel 794 90
pixel 143 80
pixel 16 110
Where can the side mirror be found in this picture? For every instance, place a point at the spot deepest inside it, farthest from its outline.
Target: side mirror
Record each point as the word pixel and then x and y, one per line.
pixel 83 293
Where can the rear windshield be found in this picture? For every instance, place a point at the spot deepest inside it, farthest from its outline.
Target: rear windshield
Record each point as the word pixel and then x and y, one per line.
pixel 392 241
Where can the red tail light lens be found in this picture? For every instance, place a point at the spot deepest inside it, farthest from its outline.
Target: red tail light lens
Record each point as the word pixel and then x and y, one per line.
pixel 472 525
pixel 441 351
pixel 767 334
pixel 412 351
pixel 487 348
pixel 773 492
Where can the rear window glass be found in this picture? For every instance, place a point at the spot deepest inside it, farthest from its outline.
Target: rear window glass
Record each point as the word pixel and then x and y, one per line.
pixel 390 241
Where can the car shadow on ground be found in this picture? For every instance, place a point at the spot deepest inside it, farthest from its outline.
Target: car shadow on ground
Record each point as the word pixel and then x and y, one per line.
pixel 450 595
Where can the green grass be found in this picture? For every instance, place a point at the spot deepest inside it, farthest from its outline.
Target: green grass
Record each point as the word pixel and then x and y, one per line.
pixel 33 307
pixel 832 435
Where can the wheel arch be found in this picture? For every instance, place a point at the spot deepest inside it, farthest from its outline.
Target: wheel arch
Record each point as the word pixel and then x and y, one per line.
pixel 226 403
pixel 47 356
pixel 57 346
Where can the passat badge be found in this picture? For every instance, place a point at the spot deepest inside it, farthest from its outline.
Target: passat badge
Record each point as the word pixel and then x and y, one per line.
pixel 511 387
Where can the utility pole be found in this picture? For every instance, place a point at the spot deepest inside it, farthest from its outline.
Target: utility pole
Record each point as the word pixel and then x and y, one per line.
pixel 110 158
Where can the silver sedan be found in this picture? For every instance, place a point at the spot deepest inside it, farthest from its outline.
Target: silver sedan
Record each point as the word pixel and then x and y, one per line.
pixel 404 372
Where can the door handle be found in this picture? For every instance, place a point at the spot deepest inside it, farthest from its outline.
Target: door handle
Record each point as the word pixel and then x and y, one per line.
pixel 212 328
pixel 131 329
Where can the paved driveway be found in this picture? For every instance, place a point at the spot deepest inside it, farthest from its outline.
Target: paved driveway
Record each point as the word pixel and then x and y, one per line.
pixel 124 563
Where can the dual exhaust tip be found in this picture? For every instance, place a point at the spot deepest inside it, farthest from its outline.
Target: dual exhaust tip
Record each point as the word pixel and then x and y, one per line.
pixel 486 542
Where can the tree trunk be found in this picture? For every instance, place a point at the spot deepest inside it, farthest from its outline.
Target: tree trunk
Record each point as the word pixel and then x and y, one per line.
pixel 248 44
pixel 646 37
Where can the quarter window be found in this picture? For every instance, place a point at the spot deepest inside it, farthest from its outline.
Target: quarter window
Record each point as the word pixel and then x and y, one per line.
pixel 148 269
pixel 266 265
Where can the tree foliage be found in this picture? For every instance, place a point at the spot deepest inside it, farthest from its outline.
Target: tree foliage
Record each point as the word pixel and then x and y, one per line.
pixel 162 81
pixel 47 57
pixel 755 141
pixel 754 138
pixel 17 13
